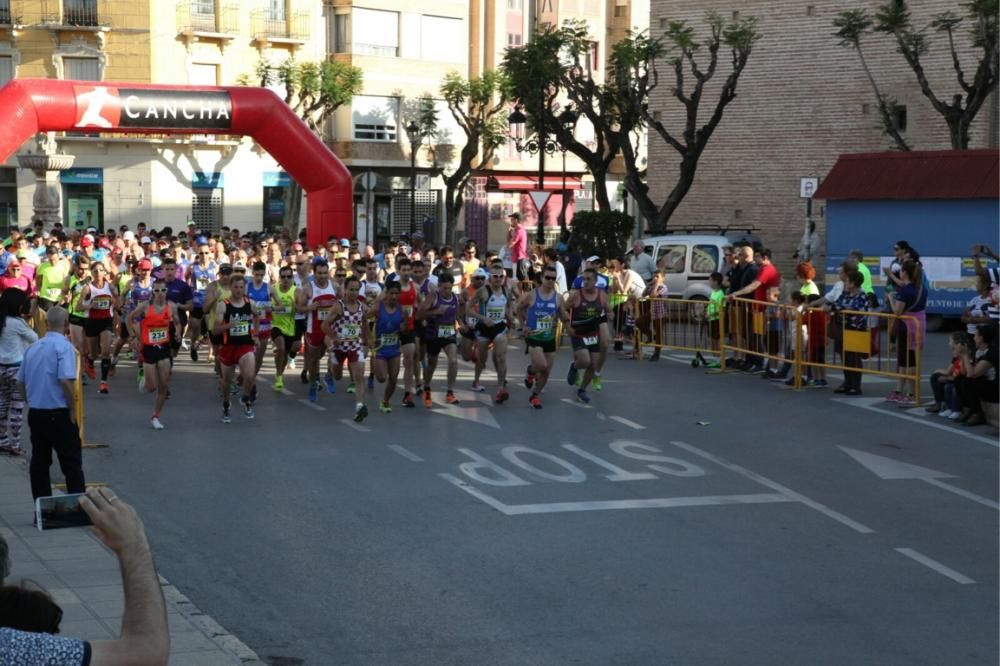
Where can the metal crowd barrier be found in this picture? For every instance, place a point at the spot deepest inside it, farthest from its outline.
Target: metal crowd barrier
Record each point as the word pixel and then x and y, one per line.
pixel 681 325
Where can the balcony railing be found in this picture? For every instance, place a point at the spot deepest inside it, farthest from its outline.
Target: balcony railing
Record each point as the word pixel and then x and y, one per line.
pixel 265 25
pixel 207 17
pixel 85 13
pixel 5 17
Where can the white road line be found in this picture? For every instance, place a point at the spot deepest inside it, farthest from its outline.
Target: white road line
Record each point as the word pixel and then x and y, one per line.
pixel 313 405
pixel 963 493
pixel 626 422
pixel 575 403
pixel 475 492
pixel 652 503
pixel 825 510
pixel 351 424
pixel 936 566
pixel 406 453
pixel 283 391
pixel 868 405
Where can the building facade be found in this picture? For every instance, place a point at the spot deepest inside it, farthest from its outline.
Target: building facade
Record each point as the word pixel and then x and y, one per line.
pixel 162 180
pixel 802 101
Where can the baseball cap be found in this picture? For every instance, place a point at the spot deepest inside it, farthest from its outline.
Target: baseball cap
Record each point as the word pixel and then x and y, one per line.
pixel 145 265
pixel 592 259
pixel 91 230
pixel 480 273
pixel 319 261
pixel 104 242
pixel 22 254
pixel 87 241
pixel 201 240
pixel 239 266
pixel 192 223
pixel 129 235
pixel 145 240
pixel 345 243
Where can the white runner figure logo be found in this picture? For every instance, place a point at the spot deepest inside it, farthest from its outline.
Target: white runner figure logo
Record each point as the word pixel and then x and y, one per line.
pixel 95 101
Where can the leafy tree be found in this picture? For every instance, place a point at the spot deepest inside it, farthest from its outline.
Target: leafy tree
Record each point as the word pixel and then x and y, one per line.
pixel 852 26
pixel 893 18
pixel 478 105
pixel 636 76
pixel 313 90
pixel 605 233
pixel 554 63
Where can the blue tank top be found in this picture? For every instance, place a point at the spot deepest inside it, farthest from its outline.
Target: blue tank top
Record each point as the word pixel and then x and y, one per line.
pixel 202 278
pixel 542 317
pixel 258 297
pixel 141 294
pixel 387 327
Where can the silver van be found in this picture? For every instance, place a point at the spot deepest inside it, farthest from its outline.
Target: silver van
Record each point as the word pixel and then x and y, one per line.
pixel 688 260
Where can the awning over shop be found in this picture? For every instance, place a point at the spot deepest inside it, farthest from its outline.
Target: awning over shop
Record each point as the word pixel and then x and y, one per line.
pixel 519 183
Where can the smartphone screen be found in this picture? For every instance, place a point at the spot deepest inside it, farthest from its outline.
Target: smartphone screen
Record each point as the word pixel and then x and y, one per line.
pixel 60 511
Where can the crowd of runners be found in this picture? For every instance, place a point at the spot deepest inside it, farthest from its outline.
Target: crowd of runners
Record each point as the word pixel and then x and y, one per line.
pixel 322 313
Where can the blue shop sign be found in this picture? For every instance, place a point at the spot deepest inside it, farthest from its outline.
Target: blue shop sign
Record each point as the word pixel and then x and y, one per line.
pixel 276 179
pixel 82 176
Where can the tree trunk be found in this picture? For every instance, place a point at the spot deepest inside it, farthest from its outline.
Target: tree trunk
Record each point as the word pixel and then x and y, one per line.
pixel 452 207
pixel 689 166
pixel 601 189
pixel 640 197
pixel 293 208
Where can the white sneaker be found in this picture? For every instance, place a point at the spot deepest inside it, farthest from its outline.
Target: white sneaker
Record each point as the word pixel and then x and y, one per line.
pixel 945 413
pixel 291 364
pixel 156 423
pixel 955 416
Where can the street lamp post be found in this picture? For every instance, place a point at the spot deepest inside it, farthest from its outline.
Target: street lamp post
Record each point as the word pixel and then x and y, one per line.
pixel 413 133
pixel 542 145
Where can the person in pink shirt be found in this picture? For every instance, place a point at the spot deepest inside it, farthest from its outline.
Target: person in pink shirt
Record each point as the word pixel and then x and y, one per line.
pixel 14 278
pixel 517 242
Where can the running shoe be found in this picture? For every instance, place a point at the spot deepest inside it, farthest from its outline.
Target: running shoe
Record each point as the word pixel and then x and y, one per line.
pixel 386 408
pixel 427 398
pixel 104 388
pixel 501 395
pixel 906 401
pixel 820 383
pixel 535 401
pixel 596 383
pixel 313 393
pixel 582 396
pixel 408 399
pixel 572 375
pixel 156 423
pixel 248 409
pixel 894 396
pixel 371 382
pixel 529 381
pixel 226 418
pixel 450 398
pixel 350 388
pixel 279 384
pixel 478 388
pixel 291 364
pixel 360 413
pixel 90 372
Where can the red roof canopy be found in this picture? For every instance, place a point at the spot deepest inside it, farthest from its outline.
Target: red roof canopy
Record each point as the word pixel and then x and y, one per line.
pixel 941 174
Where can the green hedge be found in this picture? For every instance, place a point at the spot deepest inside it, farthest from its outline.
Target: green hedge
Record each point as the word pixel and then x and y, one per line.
pixel 604 233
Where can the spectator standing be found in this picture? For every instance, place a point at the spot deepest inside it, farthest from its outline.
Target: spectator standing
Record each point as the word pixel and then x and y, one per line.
pixel 852 300
pixel 572 261
pixel 980 310
pixel 856 259
pixel 15 337
pixel 517 243
pixel 48 373
pixel 909 301
pixel 551 258
pixel 641 262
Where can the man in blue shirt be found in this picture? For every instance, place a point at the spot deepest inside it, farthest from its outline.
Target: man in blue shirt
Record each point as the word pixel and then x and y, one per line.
pixel 48 373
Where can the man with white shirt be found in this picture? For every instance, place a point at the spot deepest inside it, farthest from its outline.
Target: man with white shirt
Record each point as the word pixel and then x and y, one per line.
pixel 640 262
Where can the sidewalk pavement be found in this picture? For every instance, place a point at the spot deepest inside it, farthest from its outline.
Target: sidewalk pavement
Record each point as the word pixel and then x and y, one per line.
pixel 82 576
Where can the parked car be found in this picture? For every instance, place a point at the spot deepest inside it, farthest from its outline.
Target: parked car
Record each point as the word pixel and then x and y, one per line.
pixel 688 260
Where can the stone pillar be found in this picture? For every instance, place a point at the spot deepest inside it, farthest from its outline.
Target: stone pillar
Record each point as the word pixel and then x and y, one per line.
pixel 46 165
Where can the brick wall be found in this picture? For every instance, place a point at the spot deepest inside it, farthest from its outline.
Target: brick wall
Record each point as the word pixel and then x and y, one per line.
pixel 800 103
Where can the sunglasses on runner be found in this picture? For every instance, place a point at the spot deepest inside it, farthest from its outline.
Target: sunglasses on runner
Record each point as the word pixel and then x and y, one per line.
pixel 159 291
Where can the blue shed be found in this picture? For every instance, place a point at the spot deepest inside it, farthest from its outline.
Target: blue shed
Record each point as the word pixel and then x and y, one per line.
pixel 941 202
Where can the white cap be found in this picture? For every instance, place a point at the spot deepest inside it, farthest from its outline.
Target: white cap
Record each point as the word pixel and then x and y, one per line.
pixel 128 236
pixel 480 272
pixel 592 259
pixel 145 239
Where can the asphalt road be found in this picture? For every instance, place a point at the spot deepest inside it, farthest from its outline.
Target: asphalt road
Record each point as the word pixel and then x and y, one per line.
pixel 625 532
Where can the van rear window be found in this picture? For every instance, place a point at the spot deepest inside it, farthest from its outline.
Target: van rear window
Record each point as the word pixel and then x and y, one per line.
pixel 704 259
pixel 671 258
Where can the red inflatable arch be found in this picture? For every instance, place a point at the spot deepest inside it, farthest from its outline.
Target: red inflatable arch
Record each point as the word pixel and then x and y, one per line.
pixel 29 106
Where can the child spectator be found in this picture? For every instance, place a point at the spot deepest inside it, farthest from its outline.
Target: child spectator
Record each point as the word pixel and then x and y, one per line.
pixel 816 321
pixel 946 401
pixel 774 332
pixel 850 308
pixel 797 300
pixel 714 314
pixel 652 324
